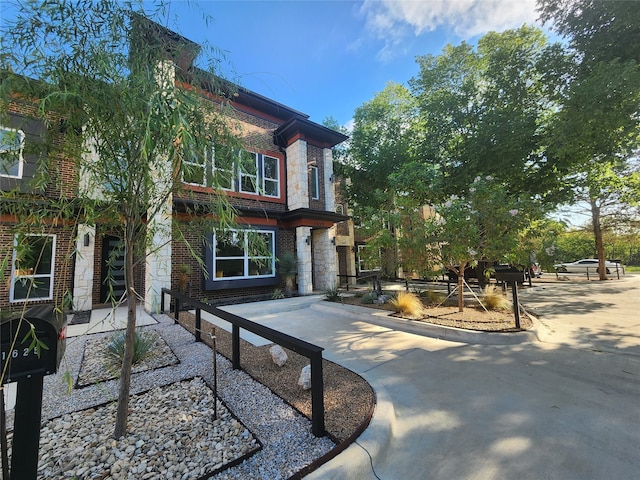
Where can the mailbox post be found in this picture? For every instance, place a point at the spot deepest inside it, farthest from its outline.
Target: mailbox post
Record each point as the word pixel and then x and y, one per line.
pixel 28 366
pixel 512 277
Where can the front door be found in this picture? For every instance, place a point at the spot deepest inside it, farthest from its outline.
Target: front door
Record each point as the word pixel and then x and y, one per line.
pixel 112 278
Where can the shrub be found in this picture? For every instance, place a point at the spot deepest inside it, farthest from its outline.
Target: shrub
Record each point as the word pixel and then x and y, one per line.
pixel 369 298
pixel 333 294
pixel 494 299
pixel 407 304
pixel 142 344
pixel 434 297
pixel 277 294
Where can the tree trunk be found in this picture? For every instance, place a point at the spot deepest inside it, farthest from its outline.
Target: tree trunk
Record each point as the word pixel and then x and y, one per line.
pixel 597 233
pixel 127 361
pixel 461 269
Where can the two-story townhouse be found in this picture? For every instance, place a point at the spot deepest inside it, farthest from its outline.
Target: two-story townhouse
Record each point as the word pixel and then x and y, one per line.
pixel 281 185
pixel 35 174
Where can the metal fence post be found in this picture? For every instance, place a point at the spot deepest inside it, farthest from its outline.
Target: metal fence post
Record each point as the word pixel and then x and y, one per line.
pixel 235 346
pixel 317 396
pixel 198 325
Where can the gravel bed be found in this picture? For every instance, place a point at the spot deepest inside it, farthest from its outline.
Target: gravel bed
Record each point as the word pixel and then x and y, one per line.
pixel 261 417
pixel 97 365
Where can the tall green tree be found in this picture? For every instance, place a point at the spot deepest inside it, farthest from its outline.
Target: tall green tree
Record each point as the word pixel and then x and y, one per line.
pixel 115 78
pixel 597 128
pixel 484 111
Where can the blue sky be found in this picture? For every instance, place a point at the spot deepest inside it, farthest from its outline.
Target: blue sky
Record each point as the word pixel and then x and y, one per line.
pixel 326 58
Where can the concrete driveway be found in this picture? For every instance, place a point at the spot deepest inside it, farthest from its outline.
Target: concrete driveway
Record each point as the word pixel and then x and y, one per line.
pixel 565 407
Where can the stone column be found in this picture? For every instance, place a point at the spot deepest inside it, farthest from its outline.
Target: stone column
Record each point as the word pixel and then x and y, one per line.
pixel 325 263
pixel 297 176
pixel 83 272
pixel 158 260
pixel 329 190
pixel 305 269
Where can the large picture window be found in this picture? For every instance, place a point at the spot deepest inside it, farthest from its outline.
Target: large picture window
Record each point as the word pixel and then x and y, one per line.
pixel 11 148
pixel 243 254
pixel 32 268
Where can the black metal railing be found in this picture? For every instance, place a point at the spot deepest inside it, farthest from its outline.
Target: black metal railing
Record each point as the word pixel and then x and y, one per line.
pixel 306 349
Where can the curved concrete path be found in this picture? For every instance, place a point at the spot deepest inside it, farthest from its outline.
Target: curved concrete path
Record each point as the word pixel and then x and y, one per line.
pixel 566 406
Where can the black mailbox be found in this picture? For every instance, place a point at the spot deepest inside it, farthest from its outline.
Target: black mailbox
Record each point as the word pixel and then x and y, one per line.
pixel 509 276
pixel 23 362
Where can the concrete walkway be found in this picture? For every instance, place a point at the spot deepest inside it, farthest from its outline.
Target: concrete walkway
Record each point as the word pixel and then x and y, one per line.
pixel 562 407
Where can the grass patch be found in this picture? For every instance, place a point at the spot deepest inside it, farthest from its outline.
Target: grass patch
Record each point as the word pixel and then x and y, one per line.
pixel 407 304
pixel 494 299
pixel 142 344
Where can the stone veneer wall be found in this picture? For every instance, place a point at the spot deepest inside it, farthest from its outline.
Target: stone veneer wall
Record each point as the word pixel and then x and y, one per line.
pixel 297 176
pixel 324 259
pixel 330 191
pixel 305 272
pixel 84 269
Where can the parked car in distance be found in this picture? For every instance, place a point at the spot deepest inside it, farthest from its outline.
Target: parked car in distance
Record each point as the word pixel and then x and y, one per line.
pixel 591 264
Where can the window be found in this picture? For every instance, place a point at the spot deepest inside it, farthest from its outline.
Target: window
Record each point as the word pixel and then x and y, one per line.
pixel 270 176
pixel 365 256
pixel 195 169
pixel 224 160
pixel 339 209
pixel 315 188
pixel 32 269
pixel 243 254
pixel 11 147
pixel 238 171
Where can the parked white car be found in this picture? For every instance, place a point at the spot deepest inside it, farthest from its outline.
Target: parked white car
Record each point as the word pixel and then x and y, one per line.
pixel 590 264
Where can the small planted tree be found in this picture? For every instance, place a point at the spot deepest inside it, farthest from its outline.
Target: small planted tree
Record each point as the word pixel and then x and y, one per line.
pixel 135 129
pixel 484 224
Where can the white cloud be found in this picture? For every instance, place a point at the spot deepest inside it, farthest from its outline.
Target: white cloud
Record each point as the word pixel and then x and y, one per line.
pixel 393 20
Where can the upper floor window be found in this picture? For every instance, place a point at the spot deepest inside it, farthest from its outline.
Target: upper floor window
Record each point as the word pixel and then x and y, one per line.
pixel 32 268
pixel 339 209
pixel 11 147
pixel 271 176
pixel 248 172
pixel 315 184
pixel 234 170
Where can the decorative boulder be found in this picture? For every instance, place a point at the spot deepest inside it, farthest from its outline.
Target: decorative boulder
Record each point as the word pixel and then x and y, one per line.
pixel 305 378
pixel 382 299
pixel 278 355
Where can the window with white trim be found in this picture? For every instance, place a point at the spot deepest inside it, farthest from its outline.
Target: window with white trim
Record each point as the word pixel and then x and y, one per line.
pixel 315 185
pixel 340 209
pixel 270 176
pixel 195 169
pixel 234 170
pixel 243 254
pixel 11 148
pixel 224 164
pixel 32 267
pixel 248 170
pixel 364 259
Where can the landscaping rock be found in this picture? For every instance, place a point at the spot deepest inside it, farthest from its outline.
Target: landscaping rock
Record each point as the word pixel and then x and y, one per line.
pixel 305 378
pixel 278 355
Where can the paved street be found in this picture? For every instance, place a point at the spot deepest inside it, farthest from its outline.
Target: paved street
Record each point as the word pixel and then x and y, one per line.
pixel 566 406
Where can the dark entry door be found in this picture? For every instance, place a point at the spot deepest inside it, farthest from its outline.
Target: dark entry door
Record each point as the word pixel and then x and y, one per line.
pixel 112 279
